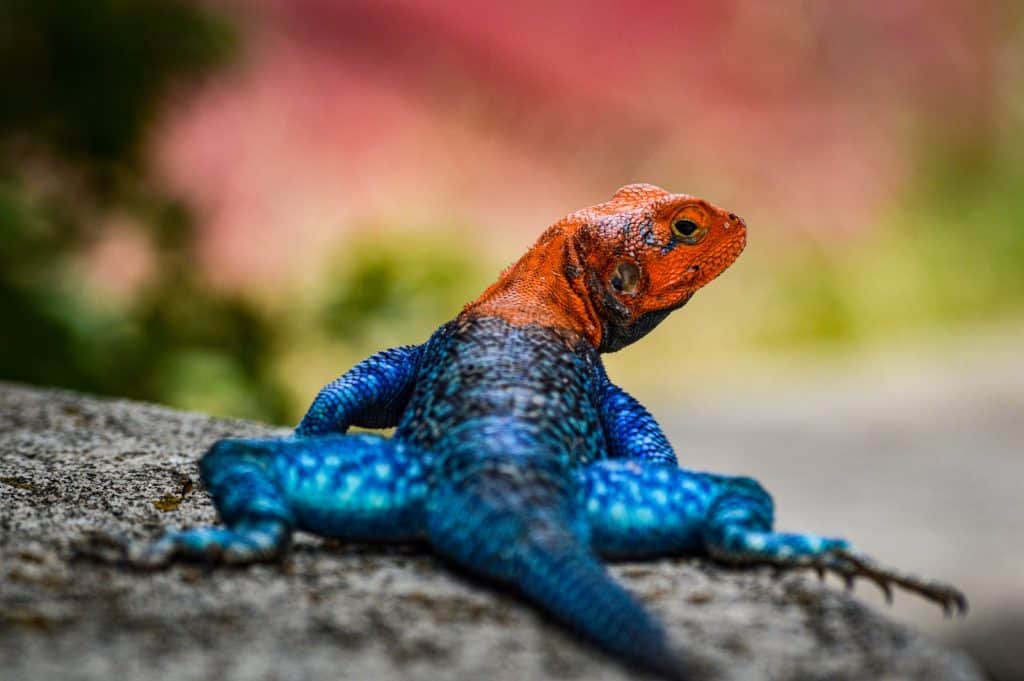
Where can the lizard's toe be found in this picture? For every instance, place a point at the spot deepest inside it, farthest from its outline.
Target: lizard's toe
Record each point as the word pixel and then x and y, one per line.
pixel 951 599
pixel 152 555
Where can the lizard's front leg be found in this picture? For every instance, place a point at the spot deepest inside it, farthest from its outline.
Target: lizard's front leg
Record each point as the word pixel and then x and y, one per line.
pixel 372 394
pixel 630 430
pixel 361 487
pixel 637 508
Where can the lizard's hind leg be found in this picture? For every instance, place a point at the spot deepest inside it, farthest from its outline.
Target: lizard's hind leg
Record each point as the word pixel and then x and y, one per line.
pixel 362 487
pixel 739 530
pixel 638 508
pixel 259 522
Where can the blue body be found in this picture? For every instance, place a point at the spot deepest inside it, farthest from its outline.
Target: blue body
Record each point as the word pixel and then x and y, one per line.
pixel 514 456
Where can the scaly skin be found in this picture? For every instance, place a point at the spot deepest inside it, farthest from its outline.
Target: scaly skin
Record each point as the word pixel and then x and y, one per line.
pixel 514 455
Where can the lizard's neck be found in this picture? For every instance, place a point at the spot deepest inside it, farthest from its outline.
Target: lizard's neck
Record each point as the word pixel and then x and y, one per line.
pixel 545 287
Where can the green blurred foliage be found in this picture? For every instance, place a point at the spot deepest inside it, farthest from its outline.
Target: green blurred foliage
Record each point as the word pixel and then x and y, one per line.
pixel 85 79
pixel 88 75
pixel 395 285
pixel 85 82
pixel 950 255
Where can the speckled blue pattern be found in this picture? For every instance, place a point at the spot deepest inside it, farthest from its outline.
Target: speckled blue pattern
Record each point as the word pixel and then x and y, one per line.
pixel 514 456
pixel 486 387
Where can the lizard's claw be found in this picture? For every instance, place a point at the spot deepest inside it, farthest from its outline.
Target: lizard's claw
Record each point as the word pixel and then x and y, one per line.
pixel 117 549
pixel 849 564
pixel 951 599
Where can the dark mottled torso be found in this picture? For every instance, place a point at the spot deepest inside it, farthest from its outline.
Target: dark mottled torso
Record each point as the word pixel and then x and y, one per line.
pixel 489 387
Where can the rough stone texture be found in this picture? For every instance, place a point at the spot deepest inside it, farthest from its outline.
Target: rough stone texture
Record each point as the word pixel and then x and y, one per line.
pixel 71 464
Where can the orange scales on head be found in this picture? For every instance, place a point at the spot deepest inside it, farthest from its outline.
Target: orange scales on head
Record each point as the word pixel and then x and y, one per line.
pixel 611 272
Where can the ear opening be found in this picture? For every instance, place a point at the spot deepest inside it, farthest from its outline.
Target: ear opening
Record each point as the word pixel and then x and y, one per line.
pixel 626 278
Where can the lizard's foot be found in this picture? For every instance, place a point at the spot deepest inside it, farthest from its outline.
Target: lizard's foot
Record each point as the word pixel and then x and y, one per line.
pixel 836 556
pixel 856 564
pixel 245 543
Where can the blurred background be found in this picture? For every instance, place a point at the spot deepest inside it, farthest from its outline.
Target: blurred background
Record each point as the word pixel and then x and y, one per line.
pixel 222 205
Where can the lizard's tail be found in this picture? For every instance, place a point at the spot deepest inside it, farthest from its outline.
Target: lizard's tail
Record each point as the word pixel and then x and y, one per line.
pixel 514 521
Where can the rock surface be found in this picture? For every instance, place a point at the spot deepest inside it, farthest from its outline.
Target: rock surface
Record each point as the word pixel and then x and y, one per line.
pixel 71 464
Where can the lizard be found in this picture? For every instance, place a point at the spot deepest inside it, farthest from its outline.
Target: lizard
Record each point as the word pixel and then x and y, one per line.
pixel 514 455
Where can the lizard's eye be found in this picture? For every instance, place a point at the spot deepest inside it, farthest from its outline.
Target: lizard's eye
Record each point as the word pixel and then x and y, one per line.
pixel 688 231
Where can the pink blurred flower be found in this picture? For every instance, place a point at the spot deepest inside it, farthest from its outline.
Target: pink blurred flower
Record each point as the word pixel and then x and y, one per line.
pixel 800 116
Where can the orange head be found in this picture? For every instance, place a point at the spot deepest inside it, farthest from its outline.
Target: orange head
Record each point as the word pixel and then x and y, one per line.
pixel 613 271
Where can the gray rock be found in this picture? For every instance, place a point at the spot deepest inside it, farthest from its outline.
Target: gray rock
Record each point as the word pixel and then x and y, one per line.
pixel 71 464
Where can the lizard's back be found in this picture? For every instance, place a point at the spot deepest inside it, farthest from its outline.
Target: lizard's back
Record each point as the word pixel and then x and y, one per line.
pixel 488 388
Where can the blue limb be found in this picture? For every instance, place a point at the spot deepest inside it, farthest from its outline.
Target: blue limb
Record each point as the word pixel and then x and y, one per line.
pixel 630 430
pixel 636 508
pixel 738 530
pixel 248 499
pixel 639 508
pixel 360 487
pixel 372 394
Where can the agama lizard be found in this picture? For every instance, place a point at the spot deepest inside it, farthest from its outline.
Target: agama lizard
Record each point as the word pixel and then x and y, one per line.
pixel 514 455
